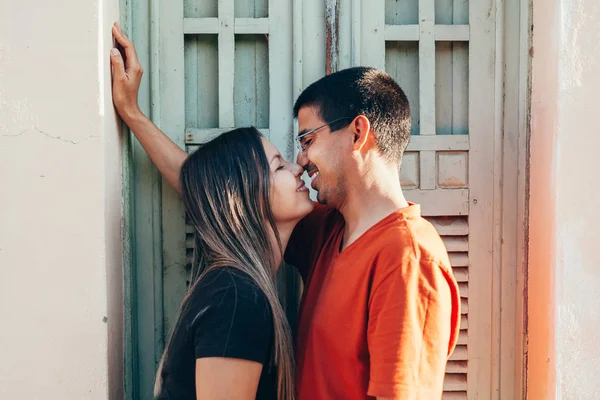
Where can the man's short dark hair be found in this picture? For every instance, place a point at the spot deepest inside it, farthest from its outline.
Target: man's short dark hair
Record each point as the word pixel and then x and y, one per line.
pixel 363 91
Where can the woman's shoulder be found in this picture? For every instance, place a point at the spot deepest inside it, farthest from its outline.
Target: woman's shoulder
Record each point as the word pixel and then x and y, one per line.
pixel 229 287
pixel 228 314
pixel 223 278
pixel 230 318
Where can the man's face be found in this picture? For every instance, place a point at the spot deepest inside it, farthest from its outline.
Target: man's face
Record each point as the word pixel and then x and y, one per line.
pixel 325 158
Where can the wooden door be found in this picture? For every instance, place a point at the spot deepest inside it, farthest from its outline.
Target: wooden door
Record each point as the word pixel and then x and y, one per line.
pixel 212 65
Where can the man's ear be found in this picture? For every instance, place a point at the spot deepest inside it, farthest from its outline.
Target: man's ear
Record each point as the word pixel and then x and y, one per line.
pixel 361 128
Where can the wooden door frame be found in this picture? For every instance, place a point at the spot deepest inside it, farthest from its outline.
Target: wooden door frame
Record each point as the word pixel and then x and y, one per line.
pixel 512 68
pixel 128 234
pixel 154 226
pixel 511 215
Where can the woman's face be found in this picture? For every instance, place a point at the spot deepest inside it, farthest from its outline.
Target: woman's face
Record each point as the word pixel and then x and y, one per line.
pixel 290 200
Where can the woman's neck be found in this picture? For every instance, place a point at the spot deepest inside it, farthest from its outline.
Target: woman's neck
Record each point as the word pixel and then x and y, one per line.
pixel 285 231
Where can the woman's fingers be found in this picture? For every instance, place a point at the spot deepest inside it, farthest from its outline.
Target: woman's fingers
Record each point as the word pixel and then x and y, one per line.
pixel 127 74
pixel 117 62
pixel 130 54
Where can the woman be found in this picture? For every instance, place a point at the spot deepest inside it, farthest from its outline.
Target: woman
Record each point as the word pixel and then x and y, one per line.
pixel 231 339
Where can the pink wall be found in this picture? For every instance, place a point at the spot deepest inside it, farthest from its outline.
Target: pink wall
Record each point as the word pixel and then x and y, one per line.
pixel 544 107
pixel 564 263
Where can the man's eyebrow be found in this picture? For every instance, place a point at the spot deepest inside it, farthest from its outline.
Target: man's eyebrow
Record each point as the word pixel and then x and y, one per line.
pixel 303 131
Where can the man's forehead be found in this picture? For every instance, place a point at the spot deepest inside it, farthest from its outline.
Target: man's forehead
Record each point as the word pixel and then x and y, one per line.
pixel 308 116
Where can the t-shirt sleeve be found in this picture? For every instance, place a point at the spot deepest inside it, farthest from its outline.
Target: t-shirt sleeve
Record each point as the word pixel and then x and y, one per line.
pixel 235 322
pixel 411 329
pixel 307 239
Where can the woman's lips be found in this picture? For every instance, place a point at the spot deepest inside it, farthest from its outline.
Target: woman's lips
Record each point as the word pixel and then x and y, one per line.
pixel 302 187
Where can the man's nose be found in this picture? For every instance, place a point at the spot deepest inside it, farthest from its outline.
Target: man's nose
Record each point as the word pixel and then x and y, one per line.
pixel 302 159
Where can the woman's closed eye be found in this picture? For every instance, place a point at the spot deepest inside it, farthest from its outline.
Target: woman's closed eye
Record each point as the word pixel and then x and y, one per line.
pixel 280 168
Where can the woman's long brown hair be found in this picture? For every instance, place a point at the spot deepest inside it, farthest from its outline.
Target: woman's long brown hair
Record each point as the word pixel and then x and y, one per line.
pixel 225 188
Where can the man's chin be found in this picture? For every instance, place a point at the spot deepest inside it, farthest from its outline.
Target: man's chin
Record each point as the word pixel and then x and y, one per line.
pixel 321 199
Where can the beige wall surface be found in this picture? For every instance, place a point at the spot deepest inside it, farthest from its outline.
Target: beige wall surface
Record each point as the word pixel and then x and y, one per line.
pixel 564 265
pixel 60 203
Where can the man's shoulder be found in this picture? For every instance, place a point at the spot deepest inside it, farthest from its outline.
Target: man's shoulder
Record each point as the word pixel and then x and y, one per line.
pixel 410 251
pixel 410 240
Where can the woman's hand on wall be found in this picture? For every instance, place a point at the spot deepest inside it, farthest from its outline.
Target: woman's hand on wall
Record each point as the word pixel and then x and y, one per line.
pixel 127 75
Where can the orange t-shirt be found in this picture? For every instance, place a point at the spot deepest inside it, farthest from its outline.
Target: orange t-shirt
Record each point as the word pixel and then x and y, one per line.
pixel 379 319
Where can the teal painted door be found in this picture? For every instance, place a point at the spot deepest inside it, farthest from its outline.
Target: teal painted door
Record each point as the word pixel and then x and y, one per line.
pixel 219 64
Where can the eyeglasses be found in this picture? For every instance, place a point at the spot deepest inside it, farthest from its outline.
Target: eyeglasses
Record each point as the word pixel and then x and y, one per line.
pixel 303 145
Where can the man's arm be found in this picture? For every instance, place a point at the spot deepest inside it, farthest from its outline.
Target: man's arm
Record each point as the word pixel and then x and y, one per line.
pixel 412 320
pixel 127 75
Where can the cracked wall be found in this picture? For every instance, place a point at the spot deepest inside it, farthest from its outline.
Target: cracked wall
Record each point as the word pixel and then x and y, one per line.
pixel 60 203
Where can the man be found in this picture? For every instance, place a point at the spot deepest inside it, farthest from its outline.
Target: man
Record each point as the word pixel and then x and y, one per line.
pixel 380 309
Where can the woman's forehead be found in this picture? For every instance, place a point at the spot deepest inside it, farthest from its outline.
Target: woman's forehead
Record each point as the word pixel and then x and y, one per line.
pixel 270 149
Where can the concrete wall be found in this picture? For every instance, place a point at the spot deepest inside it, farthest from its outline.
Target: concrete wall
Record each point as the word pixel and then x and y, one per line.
pixel 564 265
pixel 60 203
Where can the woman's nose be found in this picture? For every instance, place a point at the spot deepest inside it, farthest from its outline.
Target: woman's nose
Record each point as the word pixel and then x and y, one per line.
pixel 296 169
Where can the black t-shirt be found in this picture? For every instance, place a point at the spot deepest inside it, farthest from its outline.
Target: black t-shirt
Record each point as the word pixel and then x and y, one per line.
pixel 227 315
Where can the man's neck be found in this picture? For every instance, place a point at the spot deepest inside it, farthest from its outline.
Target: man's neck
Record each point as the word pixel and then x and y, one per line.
pixel 377 196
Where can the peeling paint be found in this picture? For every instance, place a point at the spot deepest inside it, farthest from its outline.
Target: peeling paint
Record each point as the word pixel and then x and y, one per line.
pixel 332 18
